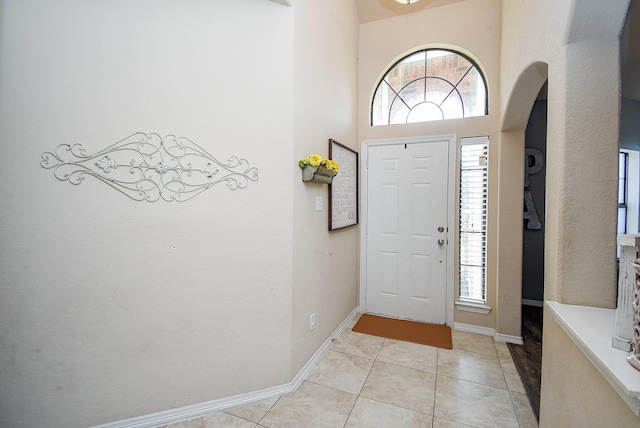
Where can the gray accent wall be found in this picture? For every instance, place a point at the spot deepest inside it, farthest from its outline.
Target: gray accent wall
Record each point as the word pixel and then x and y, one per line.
pixel 533 240
pixel 630 124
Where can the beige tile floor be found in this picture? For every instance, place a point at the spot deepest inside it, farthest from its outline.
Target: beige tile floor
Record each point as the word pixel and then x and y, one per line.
pixel 368 381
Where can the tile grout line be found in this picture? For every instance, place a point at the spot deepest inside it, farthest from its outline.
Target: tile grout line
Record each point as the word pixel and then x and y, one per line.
pixel 364 383
pixel 271 407
pixel 435 388
pixel 518 417
pixel 513 405
pixel 375 359
pixel 475 382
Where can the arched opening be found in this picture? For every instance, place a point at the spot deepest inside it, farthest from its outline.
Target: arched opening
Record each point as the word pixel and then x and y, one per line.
pixel 512 141
pixel 524 138
pixel 524 94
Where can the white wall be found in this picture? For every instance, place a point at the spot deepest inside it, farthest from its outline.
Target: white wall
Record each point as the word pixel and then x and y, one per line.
pixel 325 263
pixel 100 318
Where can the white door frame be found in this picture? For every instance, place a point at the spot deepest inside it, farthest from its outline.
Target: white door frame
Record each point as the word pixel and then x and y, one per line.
pixel 451 140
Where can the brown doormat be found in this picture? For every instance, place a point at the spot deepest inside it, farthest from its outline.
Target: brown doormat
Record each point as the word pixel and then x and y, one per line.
pixel 408 331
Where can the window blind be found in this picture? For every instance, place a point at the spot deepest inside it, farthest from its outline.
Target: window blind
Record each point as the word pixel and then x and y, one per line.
pixel 473 218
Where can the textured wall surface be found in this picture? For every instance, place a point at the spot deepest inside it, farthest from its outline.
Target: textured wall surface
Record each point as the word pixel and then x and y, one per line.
pixel 582 150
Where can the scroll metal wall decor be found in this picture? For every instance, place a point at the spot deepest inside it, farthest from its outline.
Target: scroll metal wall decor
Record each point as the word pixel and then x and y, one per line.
pixel 149 167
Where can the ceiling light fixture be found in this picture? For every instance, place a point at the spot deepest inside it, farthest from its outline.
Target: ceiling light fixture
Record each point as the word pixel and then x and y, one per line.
pixel 406 1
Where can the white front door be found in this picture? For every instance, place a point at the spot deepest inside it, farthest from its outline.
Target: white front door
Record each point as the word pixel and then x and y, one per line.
pixel 406 259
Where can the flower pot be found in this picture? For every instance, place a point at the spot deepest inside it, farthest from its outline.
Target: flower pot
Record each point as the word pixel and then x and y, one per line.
pixel 317 174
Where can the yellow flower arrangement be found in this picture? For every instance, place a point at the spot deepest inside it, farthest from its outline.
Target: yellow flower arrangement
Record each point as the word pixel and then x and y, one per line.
pixel 317 160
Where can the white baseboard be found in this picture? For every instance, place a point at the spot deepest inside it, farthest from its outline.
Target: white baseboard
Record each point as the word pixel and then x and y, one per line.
pixel 304 371
pixel 529 302
pixel 474 329
pixel 196 410
pixel 507 338
pixel 498 337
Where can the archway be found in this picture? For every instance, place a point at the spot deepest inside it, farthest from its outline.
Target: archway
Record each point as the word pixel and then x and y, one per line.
pixel 523 96
pixel 524 121
pixel 512 138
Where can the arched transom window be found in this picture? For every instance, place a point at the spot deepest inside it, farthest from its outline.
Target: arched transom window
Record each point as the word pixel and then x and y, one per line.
pixel 431 84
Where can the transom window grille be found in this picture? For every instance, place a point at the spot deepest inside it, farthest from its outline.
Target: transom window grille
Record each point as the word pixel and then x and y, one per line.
pixel 431 84
pixel 473 219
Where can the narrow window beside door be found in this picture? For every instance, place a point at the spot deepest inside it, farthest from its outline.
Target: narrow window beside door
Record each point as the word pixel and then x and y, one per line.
pixel 622 192
pixel 473 219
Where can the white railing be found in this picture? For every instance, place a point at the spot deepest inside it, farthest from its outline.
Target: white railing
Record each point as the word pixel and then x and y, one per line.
pixel 634 357
pixel 627 332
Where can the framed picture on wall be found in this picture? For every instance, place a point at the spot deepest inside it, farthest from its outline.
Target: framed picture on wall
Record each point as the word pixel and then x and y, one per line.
pixel 343 191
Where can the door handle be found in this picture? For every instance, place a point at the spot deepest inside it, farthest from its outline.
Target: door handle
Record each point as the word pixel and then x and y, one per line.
pixel 440 241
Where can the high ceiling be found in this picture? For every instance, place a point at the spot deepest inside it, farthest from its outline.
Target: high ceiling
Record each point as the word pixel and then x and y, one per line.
pixel 374 10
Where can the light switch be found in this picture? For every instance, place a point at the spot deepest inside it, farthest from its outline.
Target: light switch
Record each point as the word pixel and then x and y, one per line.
pixel 318 203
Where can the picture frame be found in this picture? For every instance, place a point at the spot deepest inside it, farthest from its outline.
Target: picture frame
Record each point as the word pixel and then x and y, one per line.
pixel 343 191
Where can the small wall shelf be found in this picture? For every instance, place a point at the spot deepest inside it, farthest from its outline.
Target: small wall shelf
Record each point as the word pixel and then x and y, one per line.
pixel 317 174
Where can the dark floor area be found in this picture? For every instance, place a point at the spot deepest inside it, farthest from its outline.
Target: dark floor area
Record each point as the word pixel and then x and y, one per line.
pixel 528 356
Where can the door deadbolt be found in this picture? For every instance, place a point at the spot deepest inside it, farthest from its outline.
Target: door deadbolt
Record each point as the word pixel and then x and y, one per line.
pixel 441 229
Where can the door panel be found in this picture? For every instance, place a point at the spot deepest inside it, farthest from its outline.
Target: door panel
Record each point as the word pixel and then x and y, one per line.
pixel 407 202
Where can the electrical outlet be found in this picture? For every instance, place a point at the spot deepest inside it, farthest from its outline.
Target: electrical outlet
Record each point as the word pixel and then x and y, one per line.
pixel 312 322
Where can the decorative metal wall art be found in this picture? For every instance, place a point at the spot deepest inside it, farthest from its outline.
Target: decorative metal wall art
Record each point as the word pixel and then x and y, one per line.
pixel 149 167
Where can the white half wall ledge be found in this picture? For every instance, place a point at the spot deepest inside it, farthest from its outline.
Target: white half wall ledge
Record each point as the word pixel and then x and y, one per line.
pixel 591 329
pixel 285 2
